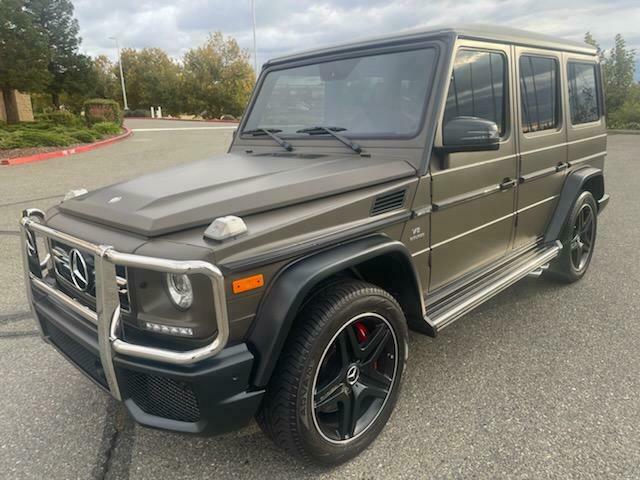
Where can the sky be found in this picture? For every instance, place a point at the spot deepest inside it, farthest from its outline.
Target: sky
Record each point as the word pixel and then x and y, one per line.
pixel 285 26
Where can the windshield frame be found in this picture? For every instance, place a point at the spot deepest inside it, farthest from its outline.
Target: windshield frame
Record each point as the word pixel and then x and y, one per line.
pixel 356 53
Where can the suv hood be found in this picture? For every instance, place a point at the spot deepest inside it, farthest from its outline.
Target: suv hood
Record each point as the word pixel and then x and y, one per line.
pixel 194 194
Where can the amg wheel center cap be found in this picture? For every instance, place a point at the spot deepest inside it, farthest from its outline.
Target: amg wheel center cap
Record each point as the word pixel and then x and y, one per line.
pixel 353 373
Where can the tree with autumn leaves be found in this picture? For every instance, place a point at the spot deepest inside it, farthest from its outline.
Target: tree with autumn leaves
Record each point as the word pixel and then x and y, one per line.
pixel 216 78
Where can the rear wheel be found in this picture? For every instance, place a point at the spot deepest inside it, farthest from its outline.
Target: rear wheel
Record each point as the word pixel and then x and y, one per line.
pixel 339 375
pixel 578 240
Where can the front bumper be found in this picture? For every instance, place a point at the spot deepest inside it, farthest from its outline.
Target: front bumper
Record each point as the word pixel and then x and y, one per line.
pixel 205 390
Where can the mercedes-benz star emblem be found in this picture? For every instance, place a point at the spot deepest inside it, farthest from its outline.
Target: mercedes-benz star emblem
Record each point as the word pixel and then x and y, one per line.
pixel 353 373
pixel 79 271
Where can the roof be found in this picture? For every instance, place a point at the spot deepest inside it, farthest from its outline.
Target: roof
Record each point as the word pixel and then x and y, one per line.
pixel 494 33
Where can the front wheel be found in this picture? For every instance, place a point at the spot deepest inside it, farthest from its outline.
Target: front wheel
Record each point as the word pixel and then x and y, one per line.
pixel 578 240
pixel 338 378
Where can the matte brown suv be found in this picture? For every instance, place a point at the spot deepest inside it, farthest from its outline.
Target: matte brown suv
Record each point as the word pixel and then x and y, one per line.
pixel 387 184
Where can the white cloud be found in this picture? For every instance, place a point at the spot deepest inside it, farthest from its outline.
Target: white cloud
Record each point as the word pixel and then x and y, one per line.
pixel 290 25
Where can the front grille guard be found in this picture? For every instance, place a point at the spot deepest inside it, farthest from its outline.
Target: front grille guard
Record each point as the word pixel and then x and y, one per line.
pixel 107 314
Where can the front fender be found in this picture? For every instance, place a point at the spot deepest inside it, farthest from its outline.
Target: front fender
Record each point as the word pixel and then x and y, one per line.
pixel 292 286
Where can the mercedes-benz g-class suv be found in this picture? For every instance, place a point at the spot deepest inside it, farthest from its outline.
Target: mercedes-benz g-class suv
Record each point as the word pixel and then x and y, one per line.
pixel 373 187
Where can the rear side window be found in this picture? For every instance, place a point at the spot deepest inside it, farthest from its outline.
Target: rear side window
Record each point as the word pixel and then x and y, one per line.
pixel 583 93
pixel 539 93
pixel 477 87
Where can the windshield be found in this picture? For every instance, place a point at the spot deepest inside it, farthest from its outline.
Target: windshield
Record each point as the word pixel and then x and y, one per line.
pixel 378 95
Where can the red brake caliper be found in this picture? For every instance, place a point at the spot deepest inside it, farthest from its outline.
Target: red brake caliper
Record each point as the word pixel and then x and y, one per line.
pixel 362 334
pixel 361 331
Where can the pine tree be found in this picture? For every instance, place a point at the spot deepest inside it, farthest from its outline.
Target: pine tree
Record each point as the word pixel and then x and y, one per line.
pixel 69 70
pixel 23 53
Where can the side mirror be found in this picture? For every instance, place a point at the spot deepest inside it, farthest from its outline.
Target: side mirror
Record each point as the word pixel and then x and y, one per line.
pixel 470 134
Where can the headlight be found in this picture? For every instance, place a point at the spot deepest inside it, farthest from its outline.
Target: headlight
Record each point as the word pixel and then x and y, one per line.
pixel 180 290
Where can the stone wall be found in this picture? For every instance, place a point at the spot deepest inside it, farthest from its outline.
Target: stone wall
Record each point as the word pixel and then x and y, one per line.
pixel 20 104
pixel 23 105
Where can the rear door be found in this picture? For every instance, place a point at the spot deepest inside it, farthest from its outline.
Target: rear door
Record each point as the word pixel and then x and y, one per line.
pixel 542 136
pixel 473 193
pixel 586 131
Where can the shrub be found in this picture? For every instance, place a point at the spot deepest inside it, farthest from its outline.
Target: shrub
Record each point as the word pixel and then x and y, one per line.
pixel 107 128
pixel 624 126
pixel 99 110
pixel 40 126
pixel 14 127
pixel 35 138
pixel 627 116
pixel 60 117
pixel 85 135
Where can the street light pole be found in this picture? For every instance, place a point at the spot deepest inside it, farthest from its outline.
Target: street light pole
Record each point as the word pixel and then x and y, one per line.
pixel 124 90
pixel 255 50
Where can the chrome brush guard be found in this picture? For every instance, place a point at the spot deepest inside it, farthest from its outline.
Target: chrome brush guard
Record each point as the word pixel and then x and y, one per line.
pixel 106 316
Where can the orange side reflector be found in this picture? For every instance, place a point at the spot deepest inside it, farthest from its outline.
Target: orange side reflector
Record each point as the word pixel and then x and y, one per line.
pixel 248 283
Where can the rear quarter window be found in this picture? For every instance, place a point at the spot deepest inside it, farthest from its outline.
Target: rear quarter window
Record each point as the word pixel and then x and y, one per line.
pixel 583 92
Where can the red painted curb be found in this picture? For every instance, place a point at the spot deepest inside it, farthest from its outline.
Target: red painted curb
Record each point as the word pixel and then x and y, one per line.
pixel 63 153
pixel 213 120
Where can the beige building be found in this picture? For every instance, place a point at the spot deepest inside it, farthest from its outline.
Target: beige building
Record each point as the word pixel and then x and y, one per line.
pixel 15 105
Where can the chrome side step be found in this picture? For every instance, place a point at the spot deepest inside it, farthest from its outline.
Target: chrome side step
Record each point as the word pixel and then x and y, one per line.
pixel 537 273
pixel 454 308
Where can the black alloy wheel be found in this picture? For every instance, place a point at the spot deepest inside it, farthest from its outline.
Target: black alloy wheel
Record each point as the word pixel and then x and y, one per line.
pixel 338 377
pixel 583 236
pixel 578 240
pixel 354 378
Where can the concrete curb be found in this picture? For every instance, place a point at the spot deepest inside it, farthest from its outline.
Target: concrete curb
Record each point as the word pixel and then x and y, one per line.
pixel 623 132
pixel 63 153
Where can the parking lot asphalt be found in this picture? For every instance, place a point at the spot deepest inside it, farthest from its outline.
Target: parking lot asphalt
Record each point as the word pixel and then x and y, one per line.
pixel 543 381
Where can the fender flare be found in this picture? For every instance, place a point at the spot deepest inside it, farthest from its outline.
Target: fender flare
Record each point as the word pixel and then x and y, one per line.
pixel 293 284
pixel 572 187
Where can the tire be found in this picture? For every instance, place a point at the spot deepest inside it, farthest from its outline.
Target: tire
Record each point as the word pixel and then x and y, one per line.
pixel 328 369
pixel 578 239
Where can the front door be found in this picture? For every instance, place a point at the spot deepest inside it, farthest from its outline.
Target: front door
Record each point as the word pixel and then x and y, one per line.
pixel 473 193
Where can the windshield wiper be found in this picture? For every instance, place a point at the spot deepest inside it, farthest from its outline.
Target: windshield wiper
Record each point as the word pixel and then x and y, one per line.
pixel 271 132
pixel 320 130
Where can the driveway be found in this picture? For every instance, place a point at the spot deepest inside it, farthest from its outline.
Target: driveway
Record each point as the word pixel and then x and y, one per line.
pixel 541 382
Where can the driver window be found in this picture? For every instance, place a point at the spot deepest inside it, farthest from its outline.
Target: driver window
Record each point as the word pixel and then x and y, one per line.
pixel 477 87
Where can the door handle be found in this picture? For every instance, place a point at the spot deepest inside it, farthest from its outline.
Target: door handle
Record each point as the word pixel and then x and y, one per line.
pixel 507 183
pixel 562 166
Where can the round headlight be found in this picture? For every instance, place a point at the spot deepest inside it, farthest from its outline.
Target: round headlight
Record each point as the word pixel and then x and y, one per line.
pixel 180 290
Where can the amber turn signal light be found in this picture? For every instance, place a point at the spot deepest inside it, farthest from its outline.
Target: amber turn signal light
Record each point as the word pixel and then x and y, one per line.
pixel 248 283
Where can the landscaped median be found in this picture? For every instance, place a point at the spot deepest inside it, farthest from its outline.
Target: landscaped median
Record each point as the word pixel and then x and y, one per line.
pixel 43 139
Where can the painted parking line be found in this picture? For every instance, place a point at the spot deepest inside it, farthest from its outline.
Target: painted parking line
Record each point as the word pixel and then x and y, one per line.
pixel 175 129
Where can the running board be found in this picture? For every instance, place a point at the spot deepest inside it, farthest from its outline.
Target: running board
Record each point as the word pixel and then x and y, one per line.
pixel 452 308
pixel 537 273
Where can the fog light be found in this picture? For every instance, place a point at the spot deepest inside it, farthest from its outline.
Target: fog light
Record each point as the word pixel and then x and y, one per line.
pixel 180 290
pixel 168 330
